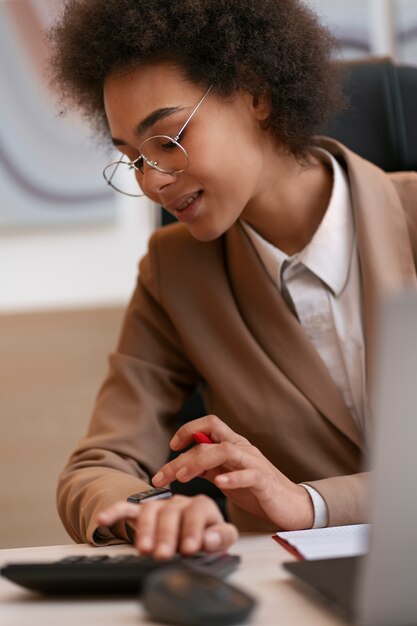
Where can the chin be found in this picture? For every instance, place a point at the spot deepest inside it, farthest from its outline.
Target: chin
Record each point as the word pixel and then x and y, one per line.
pixel 208 230
pixel 205 234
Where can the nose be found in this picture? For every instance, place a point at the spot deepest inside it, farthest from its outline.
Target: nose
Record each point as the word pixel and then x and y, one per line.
pixel 152 181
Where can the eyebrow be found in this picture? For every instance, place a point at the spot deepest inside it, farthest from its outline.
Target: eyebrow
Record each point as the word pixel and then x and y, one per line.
pixel 149 121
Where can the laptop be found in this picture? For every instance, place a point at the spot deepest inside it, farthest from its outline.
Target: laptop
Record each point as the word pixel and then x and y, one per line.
pixel 380 588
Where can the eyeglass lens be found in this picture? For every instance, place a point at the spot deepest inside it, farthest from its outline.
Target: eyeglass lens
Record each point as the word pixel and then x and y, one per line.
pixel 121 175
pixel 159 152
pixel 164 154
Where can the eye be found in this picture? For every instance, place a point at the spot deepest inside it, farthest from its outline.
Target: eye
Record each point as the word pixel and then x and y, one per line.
pixel 168 145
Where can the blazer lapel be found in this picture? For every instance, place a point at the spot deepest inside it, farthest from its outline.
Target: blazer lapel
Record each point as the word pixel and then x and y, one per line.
pixel 279 333
pixel 385 253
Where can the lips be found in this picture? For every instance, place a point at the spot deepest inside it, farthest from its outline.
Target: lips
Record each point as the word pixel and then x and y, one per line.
pixel 186 203
pixel 182 203
pixel 187 207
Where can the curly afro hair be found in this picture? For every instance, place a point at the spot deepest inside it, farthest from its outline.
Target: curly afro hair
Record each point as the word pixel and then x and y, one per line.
pixel 274 47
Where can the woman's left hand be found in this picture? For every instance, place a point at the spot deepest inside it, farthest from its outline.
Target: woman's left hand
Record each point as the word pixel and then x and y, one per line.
pixel 241 471
pixel 178 524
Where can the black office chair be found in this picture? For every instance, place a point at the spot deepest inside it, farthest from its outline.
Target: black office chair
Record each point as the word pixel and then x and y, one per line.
pixel 379 123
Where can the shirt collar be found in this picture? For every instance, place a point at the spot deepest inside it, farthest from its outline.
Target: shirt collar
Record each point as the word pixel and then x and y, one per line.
pixel 328 254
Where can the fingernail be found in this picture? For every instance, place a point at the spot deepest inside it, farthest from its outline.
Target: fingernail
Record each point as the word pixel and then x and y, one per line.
pixel 212 540
pixel 163 550
pixel 144 544
pixel 158 478
pixel 189 545
pixel 222 480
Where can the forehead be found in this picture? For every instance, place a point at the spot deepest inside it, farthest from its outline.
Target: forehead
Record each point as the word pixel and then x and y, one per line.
pixel 131 96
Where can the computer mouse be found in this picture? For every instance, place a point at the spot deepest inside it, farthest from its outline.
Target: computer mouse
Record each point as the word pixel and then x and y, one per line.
pixel 183 596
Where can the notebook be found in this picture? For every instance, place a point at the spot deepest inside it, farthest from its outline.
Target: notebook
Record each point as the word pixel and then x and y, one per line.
pixel 380 588
pixel 321 543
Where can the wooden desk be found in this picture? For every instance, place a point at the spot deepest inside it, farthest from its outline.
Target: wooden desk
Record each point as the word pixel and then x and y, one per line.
pixel 281 602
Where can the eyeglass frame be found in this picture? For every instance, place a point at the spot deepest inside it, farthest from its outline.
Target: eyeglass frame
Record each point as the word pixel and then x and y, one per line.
pixel 153 164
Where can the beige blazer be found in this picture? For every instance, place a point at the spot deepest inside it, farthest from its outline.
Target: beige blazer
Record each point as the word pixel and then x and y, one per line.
pixel 208 313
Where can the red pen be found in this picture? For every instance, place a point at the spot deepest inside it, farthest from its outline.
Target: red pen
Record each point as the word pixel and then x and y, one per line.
pixel 202 438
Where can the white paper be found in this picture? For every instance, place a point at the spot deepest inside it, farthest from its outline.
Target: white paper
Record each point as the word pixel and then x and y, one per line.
pixel 328 543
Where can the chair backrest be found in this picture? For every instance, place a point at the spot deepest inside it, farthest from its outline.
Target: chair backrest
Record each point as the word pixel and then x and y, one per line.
pixel 380 120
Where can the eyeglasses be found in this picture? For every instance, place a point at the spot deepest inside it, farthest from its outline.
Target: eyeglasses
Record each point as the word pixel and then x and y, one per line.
pixel 160 152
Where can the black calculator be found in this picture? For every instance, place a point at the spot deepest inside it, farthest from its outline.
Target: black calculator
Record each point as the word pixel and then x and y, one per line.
pixel 108 574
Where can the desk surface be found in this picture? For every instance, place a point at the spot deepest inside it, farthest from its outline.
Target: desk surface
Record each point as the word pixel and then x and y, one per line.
pixel 281 602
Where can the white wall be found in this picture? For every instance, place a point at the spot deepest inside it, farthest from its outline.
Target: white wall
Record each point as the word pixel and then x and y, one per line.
pixel 386 27
pixel 75 267
pixel 66 263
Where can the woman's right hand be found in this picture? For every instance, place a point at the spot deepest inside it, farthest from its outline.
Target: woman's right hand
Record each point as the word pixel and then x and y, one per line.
pixel 241 471
pixel 179 524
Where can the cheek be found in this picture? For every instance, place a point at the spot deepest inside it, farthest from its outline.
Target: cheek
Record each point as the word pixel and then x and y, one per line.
pixel 234 164
pixel 217 161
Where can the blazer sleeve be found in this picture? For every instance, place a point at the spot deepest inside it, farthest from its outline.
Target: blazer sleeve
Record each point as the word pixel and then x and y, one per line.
pixel 134 416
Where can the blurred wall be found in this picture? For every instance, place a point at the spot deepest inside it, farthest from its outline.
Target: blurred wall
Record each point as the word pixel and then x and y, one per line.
pixel 66 239
pixel 372 27
pixel 51 366
pixel 69 249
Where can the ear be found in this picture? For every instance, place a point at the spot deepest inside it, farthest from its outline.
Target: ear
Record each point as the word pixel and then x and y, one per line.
pixel 260 106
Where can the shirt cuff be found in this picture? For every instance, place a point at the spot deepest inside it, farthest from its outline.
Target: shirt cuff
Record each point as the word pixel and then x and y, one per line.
pixel 321 518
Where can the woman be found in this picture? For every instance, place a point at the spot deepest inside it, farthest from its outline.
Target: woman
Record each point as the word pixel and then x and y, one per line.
pixel 263 294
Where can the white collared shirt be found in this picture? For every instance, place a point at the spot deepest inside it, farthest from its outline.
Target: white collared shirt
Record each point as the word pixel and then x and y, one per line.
pixel 323 281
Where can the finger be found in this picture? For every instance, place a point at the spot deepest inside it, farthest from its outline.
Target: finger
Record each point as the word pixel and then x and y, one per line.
pixel 201 513
pixel 198 461
pixel 210 425
pixel 146 525
pixel 168 472
pixel 252 478
pixel 219 537
pixel 168 528
pixel 201 459
pixel 116 512
pixel 223 455
pixel 171 470
pixel 157 528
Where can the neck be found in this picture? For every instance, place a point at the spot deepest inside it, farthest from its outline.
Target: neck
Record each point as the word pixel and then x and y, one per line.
pixel 291 202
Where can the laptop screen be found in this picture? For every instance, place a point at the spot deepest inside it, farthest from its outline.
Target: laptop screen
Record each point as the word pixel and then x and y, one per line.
pixel 386 586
